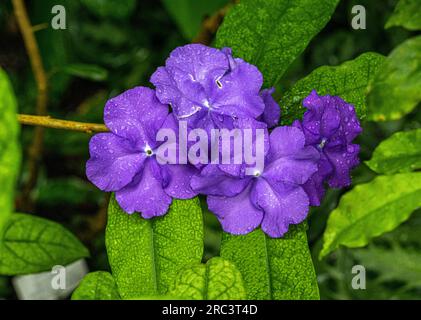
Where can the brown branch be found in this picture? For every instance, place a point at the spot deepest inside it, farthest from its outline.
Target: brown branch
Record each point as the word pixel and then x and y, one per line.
pixel 48 122
pixel 36 148
pixel 211 24
pixel 39 27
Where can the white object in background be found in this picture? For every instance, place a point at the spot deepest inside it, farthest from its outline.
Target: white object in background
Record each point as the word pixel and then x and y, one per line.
pixel 56 284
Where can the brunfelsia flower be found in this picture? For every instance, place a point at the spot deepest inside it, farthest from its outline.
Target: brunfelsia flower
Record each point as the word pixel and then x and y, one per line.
pixel 273 197
pixel 272 111
pixel 330 124
pixel 209 88
pixel 124 161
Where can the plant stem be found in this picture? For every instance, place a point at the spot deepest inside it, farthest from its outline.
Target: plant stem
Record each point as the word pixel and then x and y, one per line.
pixel 48 122
pixel 36 148
pixel 211 24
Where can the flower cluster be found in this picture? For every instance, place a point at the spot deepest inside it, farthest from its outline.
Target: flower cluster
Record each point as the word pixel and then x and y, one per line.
pixel 209 89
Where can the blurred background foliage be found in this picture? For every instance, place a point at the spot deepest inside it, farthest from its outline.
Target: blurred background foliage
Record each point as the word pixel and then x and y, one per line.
pixel 112 45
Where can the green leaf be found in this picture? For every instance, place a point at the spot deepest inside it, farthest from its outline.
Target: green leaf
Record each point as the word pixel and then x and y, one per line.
pixel 395 89
pixel 273 268
pixel 407 14
pixel 98 285
pixel 218 279
pixel 145 255
pixel 119 9
pixel 271 34
pixel 372 209
pixel 348 80
pixel 400 153
pixel 32 244
pixel 384 261
pixel 86 71
pixel 9 148
pixel 189 14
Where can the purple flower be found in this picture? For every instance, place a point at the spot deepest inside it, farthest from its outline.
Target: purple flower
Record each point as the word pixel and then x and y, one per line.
pixel 330 124
pixel 208 87
pixel 273 197
pixel 272 111
pixel 123 161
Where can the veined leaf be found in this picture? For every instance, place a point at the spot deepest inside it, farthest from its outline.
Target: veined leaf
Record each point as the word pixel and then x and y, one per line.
pixel 9 148
pixel 400 153
pixel 32 244
pixel 273 268
pixel 395 89
pixel 348 80
pixel 372 209
pixel 271 34
pixel 218 279
pixel 98 285
pixel 145 255
pixel 407 14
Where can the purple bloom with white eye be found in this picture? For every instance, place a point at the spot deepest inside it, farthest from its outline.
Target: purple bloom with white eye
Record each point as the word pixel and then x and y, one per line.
pixel 273 198
pixel 208 87
pixel 124 160
pixel 330 124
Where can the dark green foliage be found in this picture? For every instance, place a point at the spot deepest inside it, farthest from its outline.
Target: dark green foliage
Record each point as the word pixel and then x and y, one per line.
pixel 110 46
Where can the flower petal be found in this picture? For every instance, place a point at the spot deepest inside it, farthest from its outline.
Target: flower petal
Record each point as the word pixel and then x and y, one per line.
pixel 285 141
pixel 342 160
pixel 314 187
pixel 168 92
pixel 213 181
pixel 136 115
pixel 250 146
pixel 179 181
pixel 272 112
pixel 282 204
pixel 113 162
pixel 330 119
pixel 188 71
pixel 351 127
pixel 294 169
pixel 238 93
pixel 197 62
pixel 145 194
pixel 237 215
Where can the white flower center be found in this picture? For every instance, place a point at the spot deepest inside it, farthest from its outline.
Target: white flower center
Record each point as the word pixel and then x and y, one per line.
pixel 322 143
pixel 148 151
